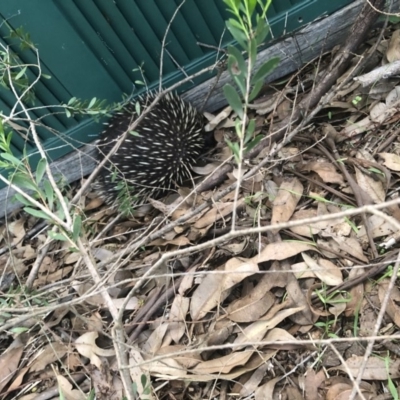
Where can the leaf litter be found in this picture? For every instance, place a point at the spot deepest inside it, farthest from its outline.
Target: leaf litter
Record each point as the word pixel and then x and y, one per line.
pixel 284 306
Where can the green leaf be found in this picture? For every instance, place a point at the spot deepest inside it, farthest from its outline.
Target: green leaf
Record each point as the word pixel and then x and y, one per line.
pixel 250 130
pixel 255 90
pixel 252 5
pixel 45 76
pixel 71 100
pixel 241 83
pixel 238 128
pixel 57 236
pixel 237 56
pixel 20 74
pixel 233 100
pixel 262 30
pixel 23 200
pixel 40 170
pixel 19 330
pixel 92 102
pixel 36 213
pixel 48 189
pixel 253 52
pixel 60 211
pixel 235 149
pixel 137 108
pixel 265 70
pixel 77 227
pixel 13 160
pixel 24 181
pixel 254 142
pixel 143 380
pixel 237 33
pixel 69 115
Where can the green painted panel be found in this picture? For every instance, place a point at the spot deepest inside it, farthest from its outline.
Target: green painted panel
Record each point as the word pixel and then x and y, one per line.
pixel 93 48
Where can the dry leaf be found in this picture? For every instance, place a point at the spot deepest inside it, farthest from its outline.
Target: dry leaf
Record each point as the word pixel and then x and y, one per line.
pixel 391 161
pixel 87 347
pixel 257 330
pixel 9 361
pixel 282 251
pixel 177 315
pixel 325 270
pixel 376 368
pixel 285 202
pixel 68 391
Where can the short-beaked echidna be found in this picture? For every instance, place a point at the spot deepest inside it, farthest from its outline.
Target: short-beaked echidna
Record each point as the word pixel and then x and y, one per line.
pixel 159 153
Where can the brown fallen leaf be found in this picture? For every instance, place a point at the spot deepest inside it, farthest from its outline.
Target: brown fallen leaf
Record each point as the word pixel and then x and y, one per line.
pixel 68 391
pixel 285 202
pixel 179 309
pixel 282 250
pixel 214 288
pixel 376 368
pixel 87 347
pixel 326 171
pixel 9 361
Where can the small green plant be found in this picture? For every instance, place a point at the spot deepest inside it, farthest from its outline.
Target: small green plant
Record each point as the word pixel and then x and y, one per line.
pixel 356 100
pixel 327 328
pixel 146 388
pixel 332 299
pixel 388 274
pixel 336 297
pixel 249 36
pixel 249 28
pixel 392 388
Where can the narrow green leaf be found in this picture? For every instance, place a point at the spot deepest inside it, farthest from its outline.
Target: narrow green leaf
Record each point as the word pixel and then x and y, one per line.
pixel 69 115
pixel 233 100
pixel 235 149
pixel 13 160
pixel 60 211
pixel 71 100
pixel 24 181
pixel 238 57
pixel 255 90
pixel 77 227
pixel 23 200
pixel 262 30
pixel 237 34
pixel 36 213
pixel 253 52
pixel 143 380
pixel 48 189
pixel 137 108
pixel 57 236
pixel 40 170
pixel 19 330
pixel 45 76
pixel 20 74
pixel 92 102
pixel 241 83
pixel 252 5
pixel 265 70
pixel 238 128
pixel 253 143
pixel 250 129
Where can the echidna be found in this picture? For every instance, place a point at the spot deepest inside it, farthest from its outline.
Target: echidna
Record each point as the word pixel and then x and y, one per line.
pixel 159 153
